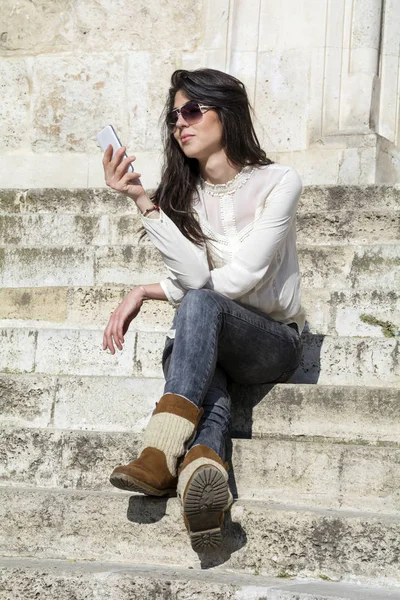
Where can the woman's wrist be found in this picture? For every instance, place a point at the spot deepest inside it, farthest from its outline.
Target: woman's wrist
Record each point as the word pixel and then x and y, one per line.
pixel 141 290
pixel 144 203
pixel 149 291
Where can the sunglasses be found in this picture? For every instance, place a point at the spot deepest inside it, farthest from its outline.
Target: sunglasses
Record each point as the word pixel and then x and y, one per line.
pixel 191 112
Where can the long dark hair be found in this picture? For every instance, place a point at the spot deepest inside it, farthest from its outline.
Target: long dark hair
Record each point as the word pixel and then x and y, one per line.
pixel 181 174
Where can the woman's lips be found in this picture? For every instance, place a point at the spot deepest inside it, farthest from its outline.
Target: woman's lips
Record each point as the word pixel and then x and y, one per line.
pixel 185 138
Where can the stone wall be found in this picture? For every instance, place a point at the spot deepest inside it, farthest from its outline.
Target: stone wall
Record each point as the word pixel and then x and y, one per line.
pixel 322 75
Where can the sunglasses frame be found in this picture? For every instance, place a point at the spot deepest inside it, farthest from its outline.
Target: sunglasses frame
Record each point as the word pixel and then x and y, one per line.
pixel 178 111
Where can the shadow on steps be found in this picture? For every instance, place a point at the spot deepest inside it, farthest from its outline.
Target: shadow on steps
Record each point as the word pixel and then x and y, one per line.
pixel 146 510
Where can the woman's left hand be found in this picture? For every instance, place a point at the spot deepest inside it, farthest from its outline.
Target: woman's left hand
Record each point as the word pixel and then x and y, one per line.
pixel 121 318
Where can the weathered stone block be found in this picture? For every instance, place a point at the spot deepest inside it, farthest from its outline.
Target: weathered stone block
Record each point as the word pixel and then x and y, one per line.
pixel 347 226
pixel 49 304
pixel 149 349
pixel 39 267
pixel 349 198
pixel 94 305
pixel 332 411
pixel 26 400
pixel 74 97
pixel 357 165
pixel 349 361
pixel 365 313
pixel 372 264
pixel 80 352
pixel 54 230
pixel 18 348
pixel 51 169
pixel 89 201
pixel 143 25
pixel 305 28
pixel 105 403
pixel 282 94
pixel 129 265
pixel 42 26
pixel 14 101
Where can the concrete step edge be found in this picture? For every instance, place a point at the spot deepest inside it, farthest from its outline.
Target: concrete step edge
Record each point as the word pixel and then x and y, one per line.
pixel 246 586
pixel 306 473
pixel 268 537
pixel 37 326
pixel 302 439
pixel 86 402
pixel 279 508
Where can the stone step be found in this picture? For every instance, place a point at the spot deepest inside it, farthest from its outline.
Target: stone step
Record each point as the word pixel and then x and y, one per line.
pixel 301 473
pixel 55 230
pixel 102 200
pixel 48 579
pixel 371 267
pixel 326 359
pixel 343 413
pixel 66 525
pixel 330 313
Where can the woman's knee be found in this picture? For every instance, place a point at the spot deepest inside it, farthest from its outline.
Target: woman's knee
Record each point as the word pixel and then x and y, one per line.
pixel 196 300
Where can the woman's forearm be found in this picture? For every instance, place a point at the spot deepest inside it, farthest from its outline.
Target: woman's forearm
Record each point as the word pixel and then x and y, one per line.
pixel 152 291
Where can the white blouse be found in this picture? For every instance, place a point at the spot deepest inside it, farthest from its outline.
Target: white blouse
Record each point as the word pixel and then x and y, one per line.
pixel 251 221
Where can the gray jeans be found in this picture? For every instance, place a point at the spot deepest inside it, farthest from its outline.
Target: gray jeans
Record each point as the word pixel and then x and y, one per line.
pixel 217 340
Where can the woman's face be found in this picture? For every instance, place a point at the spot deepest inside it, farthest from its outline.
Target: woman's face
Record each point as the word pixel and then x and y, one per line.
pixel 202 139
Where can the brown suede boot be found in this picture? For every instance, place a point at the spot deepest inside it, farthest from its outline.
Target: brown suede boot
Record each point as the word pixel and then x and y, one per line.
pixel 172 425
pixel 205 496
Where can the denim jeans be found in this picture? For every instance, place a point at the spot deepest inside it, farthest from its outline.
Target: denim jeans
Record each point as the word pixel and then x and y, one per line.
pixel 218 340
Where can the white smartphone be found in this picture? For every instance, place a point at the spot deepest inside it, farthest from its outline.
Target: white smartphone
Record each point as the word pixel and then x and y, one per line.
pixel 108 136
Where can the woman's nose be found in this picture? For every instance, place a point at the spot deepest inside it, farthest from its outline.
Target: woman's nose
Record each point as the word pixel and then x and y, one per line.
pixel 181 121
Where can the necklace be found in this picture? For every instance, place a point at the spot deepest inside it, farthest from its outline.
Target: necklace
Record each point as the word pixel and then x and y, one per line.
pixel 228 189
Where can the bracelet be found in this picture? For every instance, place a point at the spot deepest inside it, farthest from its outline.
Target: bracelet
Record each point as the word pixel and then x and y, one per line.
pixel 150 210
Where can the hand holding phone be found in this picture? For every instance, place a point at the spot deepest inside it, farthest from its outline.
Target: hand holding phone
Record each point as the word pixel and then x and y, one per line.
pixel 108 136
pixel 118 170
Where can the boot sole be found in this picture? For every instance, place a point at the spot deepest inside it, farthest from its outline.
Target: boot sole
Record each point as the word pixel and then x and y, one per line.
pixel 206 498
pixel 130 484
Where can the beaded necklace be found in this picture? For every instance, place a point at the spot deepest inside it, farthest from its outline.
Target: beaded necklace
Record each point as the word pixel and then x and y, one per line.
pixel 228 189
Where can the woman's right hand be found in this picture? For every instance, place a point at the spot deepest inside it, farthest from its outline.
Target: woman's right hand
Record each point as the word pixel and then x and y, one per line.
pixel 118 177
pixel 121 318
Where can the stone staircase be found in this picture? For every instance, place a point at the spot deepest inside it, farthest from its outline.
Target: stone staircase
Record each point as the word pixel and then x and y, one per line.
pixel 316 468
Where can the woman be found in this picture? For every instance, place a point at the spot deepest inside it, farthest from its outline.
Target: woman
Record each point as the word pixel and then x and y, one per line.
pixel 223 218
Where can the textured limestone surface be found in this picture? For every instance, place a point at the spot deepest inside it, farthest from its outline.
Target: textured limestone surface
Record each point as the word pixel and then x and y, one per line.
pixel 54 26
pixel 15 105
pixel 335 267
pixel 269 538
pixel 113 581
pixel 310 68
pixel 71 412
pixel 49 230
pixel 303 473
pixel 326 359
pixel 343 413
pixel 348 313
pixel 116 581
pixel 99 201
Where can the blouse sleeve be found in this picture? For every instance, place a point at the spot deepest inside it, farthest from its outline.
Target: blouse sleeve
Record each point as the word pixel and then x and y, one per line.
pixel 186 261
pixel 173 290
pixel 253 259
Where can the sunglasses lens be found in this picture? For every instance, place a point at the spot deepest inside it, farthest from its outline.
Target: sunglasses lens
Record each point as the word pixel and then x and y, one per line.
pixel 191 113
